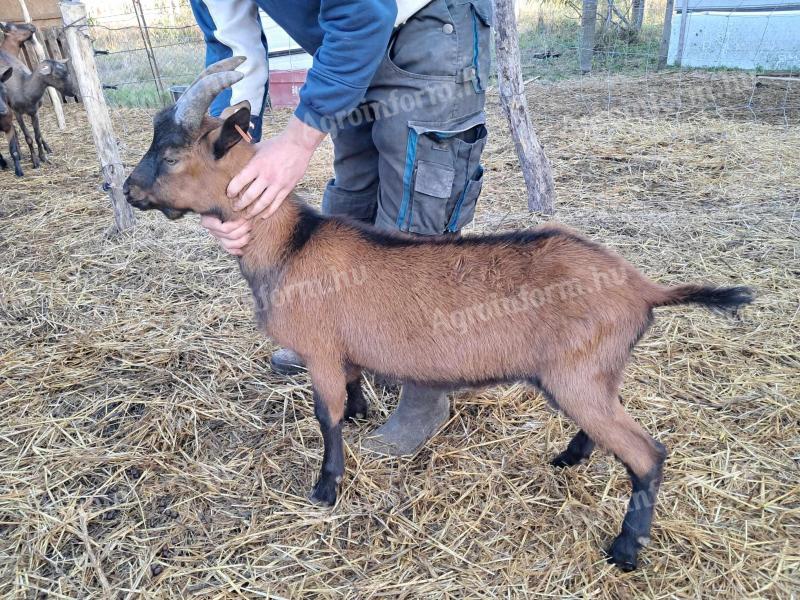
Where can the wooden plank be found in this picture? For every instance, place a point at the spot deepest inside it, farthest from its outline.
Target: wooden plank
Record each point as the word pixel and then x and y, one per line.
pixel 94 102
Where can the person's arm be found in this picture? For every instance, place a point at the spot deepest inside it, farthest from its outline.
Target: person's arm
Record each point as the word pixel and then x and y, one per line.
pixel 356 34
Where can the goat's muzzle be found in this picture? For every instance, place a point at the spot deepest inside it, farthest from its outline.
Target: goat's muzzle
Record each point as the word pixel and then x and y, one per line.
pixel 135 198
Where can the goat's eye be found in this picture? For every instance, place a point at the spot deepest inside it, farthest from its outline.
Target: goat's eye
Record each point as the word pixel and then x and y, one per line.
pixel 170 161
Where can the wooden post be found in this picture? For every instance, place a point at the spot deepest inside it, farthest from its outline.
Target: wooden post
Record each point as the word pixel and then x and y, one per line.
pixel 535 166
pixel 666 34
pixel 81 52
pixel 40 54
pixel 588 27
pixel 682 38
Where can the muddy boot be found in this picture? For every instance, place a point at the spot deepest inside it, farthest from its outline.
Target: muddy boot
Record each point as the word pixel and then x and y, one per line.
pixel 420 413
pixel 286 362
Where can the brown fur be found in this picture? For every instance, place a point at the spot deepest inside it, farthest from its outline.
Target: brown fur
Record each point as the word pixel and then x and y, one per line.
pixel 552 308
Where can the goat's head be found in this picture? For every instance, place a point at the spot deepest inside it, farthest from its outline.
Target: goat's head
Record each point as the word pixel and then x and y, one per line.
pixel 5 74
pixel 18 33
pixel 188 165
pixel 55 73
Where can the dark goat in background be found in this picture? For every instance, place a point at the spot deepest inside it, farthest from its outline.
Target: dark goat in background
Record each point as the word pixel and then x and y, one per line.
pixel 7 124
pixel 547 306
pixel 25 90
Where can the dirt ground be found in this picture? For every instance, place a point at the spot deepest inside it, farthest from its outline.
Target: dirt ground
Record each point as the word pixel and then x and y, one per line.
pixel 147 450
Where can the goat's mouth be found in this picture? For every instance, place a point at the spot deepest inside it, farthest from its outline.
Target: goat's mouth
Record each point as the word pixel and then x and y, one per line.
pixel 144 204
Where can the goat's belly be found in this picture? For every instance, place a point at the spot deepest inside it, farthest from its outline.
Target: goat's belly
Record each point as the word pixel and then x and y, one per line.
pixel 468 356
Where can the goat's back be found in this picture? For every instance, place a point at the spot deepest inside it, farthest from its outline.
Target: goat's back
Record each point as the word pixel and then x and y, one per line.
pixel 474 309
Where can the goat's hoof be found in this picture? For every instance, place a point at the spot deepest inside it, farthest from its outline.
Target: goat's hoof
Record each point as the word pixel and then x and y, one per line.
pixel 564 460
pixel 356 413
pixel 622 553
pixel 324 492
pixel 19 173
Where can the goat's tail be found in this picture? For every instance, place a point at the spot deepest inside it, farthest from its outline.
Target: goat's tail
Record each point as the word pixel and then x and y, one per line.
pixel 724 299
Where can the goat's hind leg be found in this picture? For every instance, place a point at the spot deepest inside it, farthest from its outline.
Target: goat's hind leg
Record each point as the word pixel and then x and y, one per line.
pixel 329 385
pixel 356 405
pixel 603 421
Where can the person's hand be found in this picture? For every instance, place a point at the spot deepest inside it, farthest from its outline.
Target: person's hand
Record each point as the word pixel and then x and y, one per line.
pixel 233 235
pixel 278 165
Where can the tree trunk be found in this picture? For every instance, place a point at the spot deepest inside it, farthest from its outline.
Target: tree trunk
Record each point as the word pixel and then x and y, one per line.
pixel 588 24
pixel 81 52
pixel 637 16
pixel 533 161
pixel 663 51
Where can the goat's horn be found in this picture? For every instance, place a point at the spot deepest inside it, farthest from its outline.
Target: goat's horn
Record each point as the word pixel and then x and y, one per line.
pixel 193 105
pixel 228 64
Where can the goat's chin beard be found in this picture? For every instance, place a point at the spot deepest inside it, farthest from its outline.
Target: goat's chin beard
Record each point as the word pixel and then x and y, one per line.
pixel 173 214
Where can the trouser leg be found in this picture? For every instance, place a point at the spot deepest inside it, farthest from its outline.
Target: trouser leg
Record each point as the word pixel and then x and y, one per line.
pixel 429 130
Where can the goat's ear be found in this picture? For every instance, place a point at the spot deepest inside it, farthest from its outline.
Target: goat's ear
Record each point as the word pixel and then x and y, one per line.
pixel 237 120
pixel 5 73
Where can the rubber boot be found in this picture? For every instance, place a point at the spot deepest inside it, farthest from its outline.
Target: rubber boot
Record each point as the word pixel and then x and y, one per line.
pixel 286 362
pixel 420 413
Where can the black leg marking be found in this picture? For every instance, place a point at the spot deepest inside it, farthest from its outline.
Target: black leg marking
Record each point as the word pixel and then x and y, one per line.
pixel 332 471
pixel 578 449
pixel 13 147
pixel 3 163
pixel 635 533
pixel 356 407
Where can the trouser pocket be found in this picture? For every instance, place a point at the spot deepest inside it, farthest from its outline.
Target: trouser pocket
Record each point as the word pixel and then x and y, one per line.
pixel 473 19
pixel 442 162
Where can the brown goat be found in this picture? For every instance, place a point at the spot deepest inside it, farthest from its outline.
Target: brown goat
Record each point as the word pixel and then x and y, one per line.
pixel 546 306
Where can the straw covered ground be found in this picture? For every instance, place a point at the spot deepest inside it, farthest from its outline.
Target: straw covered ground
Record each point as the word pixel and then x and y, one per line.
pixel 146 449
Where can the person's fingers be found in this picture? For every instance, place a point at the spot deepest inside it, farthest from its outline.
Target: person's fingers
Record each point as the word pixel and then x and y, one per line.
pixel 263 201
pixel 251 194
pixel 276 204
pixel 211 223
pixel 238 183
pixel 242 230
pixel 237 244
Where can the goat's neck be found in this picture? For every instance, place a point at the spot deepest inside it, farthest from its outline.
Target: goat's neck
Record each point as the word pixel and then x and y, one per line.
pixel 34 86
pixel 269 237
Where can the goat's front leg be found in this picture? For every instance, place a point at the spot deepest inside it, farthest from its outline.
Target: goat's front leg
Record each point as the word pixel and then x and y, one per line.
pixel 13 148
pixel 329 385
pixel 44 149
pixel 28 140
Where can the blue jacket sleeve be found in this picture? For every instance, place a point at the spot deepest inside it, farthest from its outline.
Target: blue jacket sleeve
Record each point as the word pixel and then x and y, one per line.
pixel 355 36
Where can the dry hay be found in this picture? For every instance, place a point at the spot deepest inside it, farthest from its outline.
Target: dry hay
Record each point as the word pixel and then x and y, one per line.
pixel 147 450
